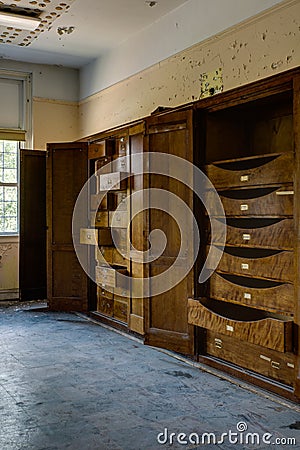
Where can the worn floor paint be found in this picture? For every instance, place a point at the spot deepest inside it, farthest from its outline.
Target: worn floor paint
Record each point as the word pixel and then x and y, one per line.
pixel 67 383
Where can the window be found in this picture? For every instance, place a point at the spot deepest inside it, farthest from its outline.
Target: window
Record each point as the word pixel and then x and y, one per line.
pixel 9 189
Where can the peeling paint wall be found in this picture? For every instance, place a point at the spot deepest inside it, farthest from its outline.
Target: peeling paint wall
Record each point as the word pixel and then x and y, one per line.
pixel 258 48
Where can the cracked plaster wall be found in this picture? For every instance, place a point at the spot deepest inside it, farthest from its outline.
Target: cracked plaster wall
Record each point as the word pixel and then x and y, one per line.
pixel 255 49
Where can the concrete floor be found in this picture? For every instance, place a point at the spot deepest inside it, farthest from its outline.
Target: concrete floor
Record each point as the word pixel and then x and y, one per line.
pixel 67 383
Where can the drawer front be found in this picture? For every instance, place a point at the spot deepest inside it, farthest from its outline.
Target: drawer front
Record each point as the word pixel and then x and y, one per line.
pixel 120 239
pixel 101 163
pixel 120 309
pixel 122 146
pixel 120 164
pixel 268 332
pixel 104 237
pixel 118 219
pixel 266 233
pixel 272 364
pixel 107 276
pixel 274 202
pixel 118 259
pixel 121 294
pixel 104 255
pixel 268 169
pixel 120 200
pixel 105 305
pixel 275 296
pixel 103 148
pixel 112 181
pixel 273 264
pixel 99 219
pixel 88 236
pixel 103 293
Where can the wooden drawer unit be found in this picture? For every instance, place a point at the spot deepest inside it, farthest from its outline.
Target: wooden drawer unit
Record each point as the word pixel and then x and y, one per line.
pixel 113 181
pixel 253 171
pixel 99 219
pixel 103 203
pixel 257 262
pixel 108 276
pixel 267 332
pixel 118 219
pixel 120 308
pixel 270 363
pixel 271 201
pixel 122 144
pixel 269 295
pixel 277 234
pixel 94 236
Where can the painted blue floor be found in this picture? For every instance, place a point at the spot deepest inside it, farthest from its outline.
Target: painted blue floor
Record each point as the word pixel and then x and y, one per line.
pixel 67 383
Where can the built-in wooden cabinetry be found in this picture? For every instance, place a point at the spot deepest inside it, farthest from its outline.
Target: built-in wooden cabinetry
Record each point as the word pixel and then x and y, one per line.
pixel 245 318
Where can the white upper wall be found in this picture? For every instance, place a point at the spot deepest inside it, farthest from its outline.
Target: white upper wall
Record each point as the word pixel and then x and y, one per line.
pixel 50 82
pixel 187 25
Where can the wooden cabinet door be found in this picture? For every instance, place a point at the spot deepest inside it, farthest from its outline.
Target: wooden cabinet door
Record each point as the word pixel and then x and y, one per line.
pixel 32 266
pixel 67 172
pixel 166 313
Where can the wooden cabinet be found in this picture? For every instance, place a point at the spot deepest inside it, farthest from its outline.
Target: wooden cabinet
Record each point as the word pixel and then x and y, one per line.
pixel 247 313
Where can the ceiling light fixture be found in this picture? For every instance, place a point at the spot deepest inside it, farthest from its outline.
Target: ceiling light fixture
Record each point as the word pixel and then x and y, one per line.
pixel 18 21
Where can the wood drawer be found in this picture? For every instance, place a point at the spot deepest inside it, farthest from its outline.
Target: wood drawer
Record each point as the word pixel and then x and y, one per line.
pixel 101 163
pixel 108 276
pixel 266 332
pixel 276 201
pixel 253 171
pixel 120 239
pixel 105 305
pixel 277 234
pixel 272 364
pixel 113 181
pixel 118 259
pixel 99 219
pixel 103 293
pixel 118 219
pixel 261 263
pixel 108 202
pixel 104 255
pixel 120 309
pixel 122 144
pixel 268 295
pixel 94 236
pixel 103 148
pixel 121 164
pixel 120 200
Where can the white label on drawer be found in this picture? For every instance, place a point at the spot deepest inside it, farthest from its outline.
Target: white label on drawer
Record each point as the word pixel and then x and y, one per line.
pixel 244 177
pixel 246 237
pixel 291 365
pixel 229 328
pixel 245 266
pixel 247 295
pixel 285 193
pixel 265 358
pixel 244 207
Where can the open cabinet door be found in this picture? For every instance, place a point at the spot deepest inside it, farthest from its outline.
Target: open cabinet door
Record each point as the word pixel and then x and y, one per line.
pixel 32 266
pixel 166 313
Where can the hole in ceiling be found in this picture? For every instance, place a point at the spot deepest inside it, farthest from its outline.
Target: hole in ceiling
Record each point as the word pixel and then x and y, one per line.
pixel 151 3
pixel 65 30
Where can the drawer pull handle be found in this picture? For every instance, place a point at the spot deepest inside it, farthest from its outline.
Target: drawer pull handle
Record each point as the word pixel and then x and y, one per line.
pixel 246 237
pixel 229 328
pixel 247 295
pixel 218 343
pixel 291 365
pixel 245 266
pixel 244 177
pixel 244 207
pixel 265 358
pixel 275 365
pixel 285 193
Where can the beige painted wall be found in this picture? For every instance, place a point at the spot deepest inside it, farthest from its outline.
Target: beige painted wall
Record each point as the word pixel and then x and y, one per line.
pixel 9 263
pixel 258 48
pixel 53 121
